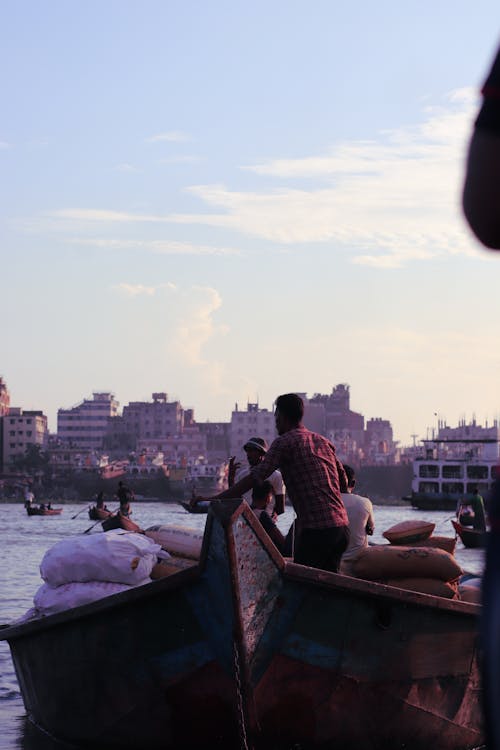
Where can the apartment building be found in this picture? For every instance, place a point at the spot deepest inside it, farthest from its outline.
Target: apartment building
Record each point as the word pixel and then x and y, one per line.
pixel 85 424
pixel 145 424
pixel 253 422
pixel 20 429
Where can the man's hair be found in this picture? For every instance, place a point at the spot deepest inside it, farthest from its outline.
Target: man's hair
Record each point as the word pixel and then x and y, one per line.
pixel 261 491
pixel 292 406
pixel 351 475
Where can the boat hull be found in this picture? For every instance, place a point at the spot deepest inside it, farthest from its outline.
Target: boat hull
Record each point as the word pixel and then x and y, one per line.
pixel 98 514
pixel 423 501
pixel 46 512
pixel 119 522
pixel 470 537
pixel 258 651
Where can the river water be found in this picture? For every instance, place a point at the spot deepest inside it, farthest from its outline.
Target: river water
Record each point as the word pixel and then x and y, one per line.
pixel 26 539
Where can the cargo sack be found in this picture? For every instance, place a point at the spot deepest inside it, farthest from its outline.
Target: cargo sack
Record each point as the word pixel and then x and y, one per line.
pixel 446 589
pixel 178 540
pixel 448 543
pixel 51 599
pixel 386 561
pixel 116 557
pixel 408 532
pixel 470 594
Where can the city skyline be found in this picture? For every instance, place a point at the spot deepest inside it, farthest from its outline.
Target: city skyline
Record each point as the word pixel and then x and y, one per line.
pixel 228 202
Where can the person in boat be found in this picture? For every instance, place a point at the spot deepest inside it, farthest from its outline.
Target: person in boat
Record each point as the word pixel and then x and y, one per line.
pixel 28 499
pixel 49 506
pixel 361 522
pixel 481 192
pixel 471 511
pixel 42 506
pixel 255 449
pixel 124 495
pixel 99 503
pixel 314 478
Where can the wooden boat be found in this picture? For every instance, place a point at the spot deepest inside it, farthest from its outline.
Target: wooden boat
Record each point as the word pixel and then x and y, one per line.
pixel 468 536
pixel 249 650
pixel 117 521
pixel 98 514
pixel 34 511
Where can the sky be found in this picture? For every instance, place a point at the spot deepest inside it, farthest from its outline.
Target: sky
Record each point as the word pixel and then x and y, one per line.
pixel 226 201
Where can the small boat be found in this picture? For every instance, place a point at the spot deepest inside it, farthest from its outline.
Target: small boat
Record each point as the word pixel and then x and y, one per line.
pixel 470 537
pixel 98 514
pixel 33 511
pixel 246 649
pixel 117 521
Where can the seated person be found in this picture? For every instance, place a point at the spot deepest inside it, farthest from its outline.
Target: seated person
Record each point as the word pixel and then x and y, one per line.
pixel 361 522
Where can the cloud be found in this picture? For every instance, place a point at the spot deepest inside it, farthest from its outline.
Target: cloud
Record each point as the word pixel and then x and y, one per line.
pixel 179 159
pixel 160 247
pixel 126 168
pixel 171 136
pixel 387 200
pixel 135 290
pixel 4 144
pixel 103 215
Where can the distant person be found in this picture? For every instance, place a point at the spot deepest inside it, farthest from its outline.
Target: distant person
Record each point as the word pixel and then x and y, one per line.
pixel 481 193
pixel 28 499
pixel 124 495
pixel 361 522
pixel 313 477
pixel 100 501
pixel 255 449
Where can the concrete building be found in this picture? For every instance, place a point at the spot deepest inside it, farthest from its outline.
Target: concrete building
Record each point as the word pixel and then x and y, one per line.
pixel 254 422
pixel 22 429
pixel 85 425
pixel 146 423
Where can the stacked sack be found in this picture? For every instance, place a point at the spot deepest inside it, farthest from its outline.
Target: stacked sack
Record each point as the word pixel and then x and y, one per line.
pixel 420 565
pixel 82 569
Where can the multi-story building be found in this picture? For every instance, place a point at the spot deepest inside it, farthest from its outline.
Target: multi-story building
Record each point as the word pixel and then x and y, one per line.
pixel 380 447
pixel 146 423
pixel 254 422
pixel 85 424
pixel 21 429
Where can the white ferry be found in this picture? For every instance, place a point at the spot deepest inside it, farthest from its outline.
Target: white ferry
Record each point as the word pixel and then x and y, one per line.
pixel 453 463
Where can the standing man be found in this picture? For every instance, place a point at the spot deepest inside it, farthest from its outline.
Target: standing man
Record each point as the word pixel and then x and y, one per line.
pixel 313 477
pixel 255 449
pixel 361 522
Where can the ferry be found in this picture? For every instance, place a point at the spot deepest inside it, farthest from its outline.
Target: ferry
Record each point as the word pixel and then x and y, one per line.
pixel 453 463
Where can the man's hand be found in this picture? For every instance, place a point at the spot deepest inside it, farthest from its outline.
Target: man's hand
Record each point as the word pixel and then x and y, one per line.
pixel 234 465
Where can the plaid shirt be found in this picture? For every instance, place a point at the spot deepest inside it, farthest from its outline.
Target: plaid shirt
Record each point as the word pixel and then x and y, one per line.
pixel 310 469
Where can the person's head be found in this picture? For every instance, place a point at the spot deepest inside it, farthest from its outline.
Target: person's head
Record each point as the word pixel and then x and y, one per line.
pixel 255 449
pixel 351 476
pixel 289 412
pixel 262 495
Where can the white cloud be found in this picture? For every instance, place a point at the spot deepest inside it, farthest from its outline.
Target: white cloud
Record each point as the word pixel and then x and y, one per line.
pixel 391 199
pixel 126 168
pixel 160 247
pixel 4 144
pixel 172 136
pixel 103 215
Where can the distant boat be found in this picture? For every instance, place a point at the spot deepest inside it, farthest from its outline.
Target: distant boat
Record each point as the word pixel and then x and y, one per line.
pixel 34 511
pixel 470 537
pixel 247 649
pixel 116 521
pixel 98 514
pixel 453 464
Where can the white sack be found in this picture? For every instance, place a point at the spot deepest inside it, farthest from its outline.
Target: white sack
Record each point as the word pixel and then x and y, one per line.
pixel 114 557
pixel 48 599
